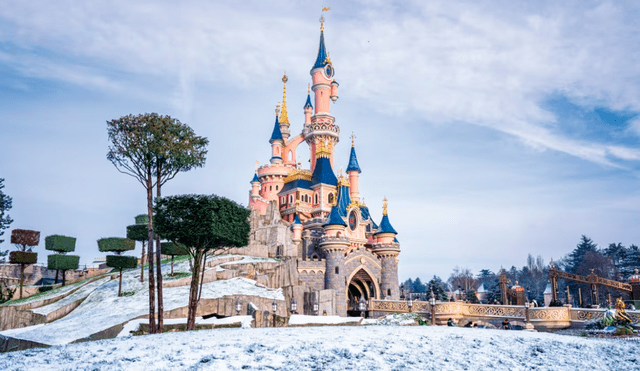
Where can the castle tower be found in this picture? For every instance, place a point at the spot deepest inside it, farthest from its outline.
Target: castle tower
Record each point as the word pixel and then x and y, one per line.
pixel 388 249
pixel 255 187
pixel 353 170
pixel 322 127
pixel 308 107
pixel 334 245
pixel 277 143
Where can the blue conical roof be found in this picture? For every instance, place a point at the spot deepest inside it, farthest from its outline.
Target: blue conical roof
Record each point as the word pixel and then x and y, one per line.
pixel 277 134
pixel 344 200
pixel 353 162
pixel 296 219
pixel 323 173
pixel 308 104
pixel 334 218
pixel 255 178
pixel 322 53
pixel 385 226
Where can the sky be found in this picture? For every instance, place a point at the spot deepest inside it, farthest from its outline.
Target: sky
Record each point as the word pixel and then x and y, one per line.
pixel 496 129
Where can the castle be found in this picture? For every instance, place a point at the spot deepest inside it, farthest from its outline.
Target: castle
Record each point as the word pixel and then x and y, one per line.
pixel 320 220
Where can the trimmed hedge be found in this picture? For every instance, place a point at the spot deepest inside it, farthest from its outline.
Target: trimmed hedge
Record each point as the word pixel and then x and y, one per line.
pixel 138 232
pixel 173 249
pixel 116 244
pixel 25 237
pixel 60 243
pixel 23 257
pixel 142 219
pixel 62 262
pixel 121 262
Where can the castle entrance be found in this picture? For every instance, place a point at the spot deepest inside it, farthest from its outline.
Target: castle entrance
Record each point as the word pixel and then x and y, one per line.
pixel 360 286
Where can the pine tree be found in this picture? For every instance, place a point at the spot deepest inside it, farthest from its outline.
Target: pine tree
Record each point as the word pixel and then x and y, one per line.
pixel 438 287
pixel 5 205
pixel 630 262
pixel 576 257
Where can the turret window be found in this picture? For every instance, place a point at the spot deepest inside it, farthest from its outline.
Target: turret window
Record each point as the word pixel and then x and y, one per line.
pixel 331 198
pixel 315 199
pixel 337 270
pixel 276 188
pixel 271 189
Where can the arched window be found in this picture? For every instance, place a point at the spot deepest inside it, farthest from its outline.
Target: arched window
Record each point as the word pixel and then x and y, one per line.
pixel 276 188
pixel 331 198
pixel 290 155
pixel 271 189
pixel 316 199
pixel 338 272
pixel 290 199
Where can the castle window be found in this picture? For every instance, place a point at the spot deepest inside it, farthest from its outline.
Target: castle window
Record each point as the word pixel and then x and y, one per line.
pixel 290 199
pixel 276 188
pixel 316 199
pixel 271 189
pixel 388 292
pixel 337 270
pixel 331 198
pixel 290 156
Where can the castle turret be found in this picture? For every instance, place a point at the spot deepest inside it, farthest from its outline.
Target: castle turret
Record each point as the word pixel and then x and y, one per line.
pixel 308 108
pixel 353 170
pixel 277 142
pixel 255 187
pixel 321 127
pixel 388 249
pixel 297 228
pixel 334 244
pixel 323 183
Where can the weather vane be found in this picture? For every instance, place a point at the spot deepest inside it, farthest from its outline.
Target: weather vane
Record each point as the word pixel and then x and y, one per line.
pixel 325 9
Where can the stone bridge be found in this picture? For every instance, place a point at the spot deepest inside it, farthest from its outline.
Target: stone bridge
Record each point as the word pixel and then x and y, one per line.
pixel 544 318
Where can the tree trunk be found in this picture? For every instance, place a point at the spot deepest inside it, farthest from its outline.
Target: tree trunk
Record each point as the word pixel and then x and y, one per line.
pixel 204 265
pixel 56 281
pixel 64 277
pixel 21 278
pixel 152 287
pixel 193 291
pixel 142 264
pixel 159 261
pixel 120 284
pixel 171 265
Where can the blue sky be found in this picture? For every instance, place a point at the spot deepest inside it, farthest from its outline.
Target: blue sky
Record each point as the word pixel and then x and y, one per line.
pixel 495 129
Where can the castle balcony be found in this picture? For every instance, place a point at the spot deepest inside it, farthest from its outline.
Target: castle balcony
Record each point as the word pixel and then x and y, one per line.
pixel 341 239
pixel 386 247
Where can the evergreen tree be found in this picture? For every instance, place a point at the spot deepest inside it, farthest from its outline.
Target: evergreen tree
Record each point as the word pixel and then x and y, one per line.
pixel 576 257
pixel 5 206
pixel 438 287
pixel 203 224
pixel 630 262
pixel 418 286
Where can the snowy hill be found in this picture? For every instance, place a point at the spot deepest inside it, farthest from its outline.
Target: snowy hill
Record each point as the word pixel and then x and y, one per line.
pixel 336 348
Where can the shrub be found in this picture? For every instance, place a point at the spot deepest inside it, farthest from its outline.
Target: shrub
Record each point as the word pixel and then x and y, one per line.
pixel 173 249
pixel 25 237
pixel 116 244
pixel 121 262
pixel 23 257
pixel 62 262
pixel 623 331
pixel 138 232
pixel 142 219
pixel 42 289
pixel 60 243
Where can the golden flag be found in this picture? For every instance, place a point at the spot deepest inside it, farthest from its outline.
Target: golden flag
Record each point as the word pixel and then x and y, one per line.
pixel 326 9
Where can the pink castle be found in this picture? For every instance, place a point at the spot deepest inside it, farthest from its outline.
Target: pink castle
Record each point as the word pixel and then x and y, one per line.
pixel 339 246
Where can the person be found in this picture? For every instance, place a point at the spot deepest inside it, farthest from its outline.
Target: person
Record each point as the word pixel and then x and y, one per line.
pixel 475 325
pixel 506 325
pixel 450 322
pixel 469 324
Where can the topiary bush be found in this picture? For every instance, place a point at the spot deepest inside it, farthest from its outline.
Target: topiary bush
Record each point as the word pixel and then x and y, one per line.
pixel 60 243
pixel 62 262
pixel 138 232
pixel 142 219
pixel 116 244
pixel 173 249
pixel 23 257
pixel 25 237
pixel 121 262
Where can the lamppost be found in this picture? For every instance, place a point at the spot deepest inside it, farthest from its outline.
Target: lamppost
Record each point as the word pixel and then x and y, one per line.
pixel 294 305
pixel 316 307
pixel 410 304
pixel 238 306
pixel 274 307
pixel 402 291
pixel 362 306
pixel 459 292
pixel 432 301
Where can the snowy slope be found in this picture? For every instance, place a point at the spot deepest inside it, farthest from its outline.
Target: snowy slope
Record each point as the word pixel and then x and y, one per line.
pixel 103 309
pixel 336 348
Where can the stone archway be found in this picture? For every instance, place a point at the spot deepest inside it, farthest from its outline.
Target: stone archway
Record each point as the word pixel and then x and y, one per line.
pixel 361 284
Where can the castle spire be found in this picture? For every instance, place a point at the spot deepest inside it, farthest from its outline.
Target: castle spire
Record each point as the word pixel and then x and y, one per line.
pixel 308 103
pixel 284 117
pixel 321 60
pixel 353 159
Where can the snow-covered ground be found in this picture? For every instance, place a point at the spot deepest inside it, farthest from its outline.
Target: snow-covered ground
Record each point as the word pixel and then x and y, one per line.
pixel 103 309
pixel 336 348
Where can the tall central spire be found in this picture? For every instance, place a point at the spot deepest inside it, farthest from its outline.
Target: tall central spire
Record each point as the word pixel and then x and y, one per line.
pixel 284 117
pixel 321 60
